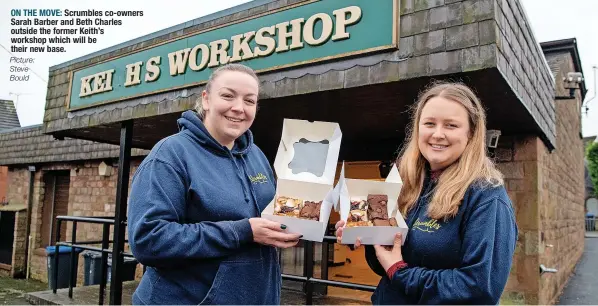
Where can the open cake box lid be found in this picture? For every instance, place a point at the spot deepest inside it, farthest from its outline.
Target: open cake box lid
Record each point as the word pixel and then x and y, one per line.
pixel 306 166
pixel 354 188
pixel 308 151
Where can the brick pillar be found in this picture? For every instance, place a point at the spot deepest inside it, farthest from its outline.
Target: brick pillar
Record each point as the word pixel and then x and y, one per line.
pixel 517 158
pixel 19 242
pixel 3 183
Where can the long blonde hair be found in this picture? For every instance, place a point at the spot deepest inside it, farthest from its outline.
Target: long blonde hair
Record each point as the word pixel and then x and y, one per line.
pixel 473 166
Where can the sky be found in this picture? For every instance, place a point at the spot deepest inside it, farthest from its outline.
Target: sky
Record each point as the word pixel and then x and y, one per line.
pixel 550 20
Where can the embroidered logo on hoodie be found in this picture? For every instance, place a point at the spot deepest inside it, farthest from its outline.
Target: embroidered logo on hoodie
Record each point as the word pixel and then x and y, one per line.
pixel 259 178
pixel 429 226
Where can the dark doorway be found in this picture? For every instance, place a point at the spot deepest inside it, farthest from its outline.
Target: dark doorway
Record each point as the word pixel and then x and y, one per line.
pixel 7 232
pixel 56 203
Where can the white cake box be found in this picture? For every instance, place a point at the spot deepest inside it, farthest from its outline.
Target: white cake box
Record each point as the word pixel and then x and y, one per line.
pixel 305 167
pixel 353 188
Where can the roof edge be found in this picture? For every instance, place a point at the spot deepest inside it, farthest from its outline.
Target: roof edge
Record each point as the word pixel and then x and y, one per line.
pixel 568 45
pixel 23 128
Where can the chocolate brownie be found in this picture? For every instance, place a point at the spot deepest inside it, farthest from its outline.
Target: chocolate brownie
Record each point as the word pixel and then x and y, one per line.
pixel 389 222
pixel 311 210
pixel 377 206
pixel 380 222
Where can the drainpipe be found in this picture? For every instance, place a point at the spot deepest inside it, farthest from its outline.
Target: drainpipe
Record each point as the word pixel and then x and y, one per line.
pixel 28 224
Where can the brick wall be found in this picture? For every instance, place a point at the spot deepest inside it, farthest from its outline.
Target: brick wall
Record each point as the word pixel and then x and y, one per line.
pixel 18 186
pixel 562 192
pixel 547 191
pixel 517 159
pixel 89 195
pixel 3 182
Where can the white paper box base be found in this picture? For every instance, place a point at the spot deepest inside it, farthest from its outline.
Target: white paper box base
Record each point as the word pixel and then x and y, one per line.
pixel 310 229
pixel 369 235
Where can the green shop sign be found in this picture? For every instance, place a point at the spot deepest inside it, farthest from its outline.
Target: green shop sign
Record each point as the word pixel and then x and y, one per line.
pixel 304 33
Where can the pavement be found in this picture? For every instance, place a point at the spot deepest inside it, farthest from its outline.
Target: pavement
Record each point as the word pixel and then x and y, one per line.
pixel 582 288
pixel 89 295
pixel 12 291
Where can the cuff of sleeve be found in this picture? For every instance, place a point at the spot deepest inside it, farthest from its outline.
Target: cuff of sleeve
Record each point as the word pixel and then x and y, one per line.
pixel 242 229
pixel 394 268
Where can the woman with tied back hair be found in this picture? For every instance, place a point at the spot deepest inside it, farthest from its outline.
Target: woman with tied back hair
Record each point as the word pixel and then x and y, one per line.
pixel 462 230
pixel 195 205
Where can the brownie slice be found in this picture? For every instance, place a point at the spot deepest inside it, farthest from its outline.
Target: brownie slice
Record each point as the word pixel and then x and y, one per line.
pixel 377 206
pixel 380 222
pixel 389 222
pixel 311 210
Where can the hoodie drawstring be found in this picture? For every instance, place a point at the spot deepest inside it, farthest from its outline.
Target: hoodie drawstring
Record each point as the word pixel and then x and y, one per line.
pixel 250 188
pixel 239 176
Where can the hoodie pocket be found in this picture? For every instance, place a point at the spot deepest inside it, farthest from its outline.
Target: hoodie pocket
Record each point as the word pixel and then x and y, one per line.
pixel 244 282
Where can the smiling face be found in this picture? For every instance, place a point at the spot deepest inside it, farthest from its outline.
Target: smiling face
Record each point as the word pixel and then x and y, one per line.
pixel 443 132
pixel 230 106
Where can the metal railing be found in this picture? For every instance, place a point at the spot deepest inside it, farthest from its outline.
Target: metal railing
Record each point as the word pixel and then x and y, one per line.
pixel 84 245
pixel 307 278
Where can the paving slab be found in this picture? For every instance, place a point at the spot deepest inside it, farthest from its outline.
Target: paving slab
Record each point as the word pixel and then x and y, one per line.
pixel 581 288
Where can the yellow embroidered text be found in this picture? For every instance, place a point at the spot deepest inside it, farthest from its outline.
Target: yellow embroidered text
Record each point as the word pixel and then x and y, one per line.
pixel 429 226
pixel 260 178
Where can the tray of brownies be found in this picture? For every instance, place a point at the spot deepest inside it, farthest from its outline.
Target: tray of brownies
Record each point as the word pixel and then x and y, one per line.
pixel 370 209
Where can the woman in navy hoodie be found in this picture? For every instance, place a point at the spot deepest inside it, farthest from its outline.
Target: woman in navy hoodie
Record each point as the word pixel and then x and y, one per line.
pixel 195 205
pixel 462 230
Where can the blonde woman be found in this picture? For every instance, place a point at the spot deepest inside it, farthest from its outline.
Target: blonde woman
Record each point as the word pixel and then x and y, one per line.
pixel 462 230
pixel 194 210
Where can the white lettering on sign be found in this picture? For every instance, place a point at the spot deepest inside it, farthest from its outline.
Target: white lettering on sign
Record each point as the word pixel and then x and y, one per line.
pixel 205 57
pixel 133 74
pixel 153 70
pixel 178 61
pixel 96 83
pixel 263 40
pixel 308 30
pixel 241 45
pixel 342 21
pixel 219 51
pixel 283 37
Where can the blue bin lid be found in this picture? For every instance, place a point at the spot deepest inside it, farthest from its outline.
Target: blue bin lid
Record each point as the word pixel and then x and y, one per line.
pixel 51 250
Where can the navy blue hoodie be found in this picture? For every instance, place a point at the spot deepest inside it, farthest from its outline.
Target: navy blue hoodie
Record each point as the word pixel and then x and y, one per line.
pixel 190 203
pixel 465 260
